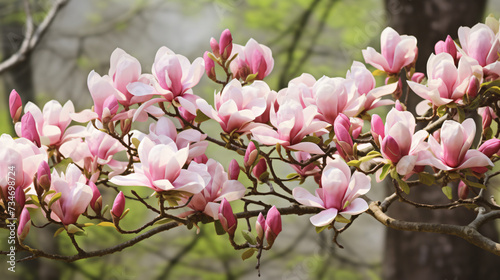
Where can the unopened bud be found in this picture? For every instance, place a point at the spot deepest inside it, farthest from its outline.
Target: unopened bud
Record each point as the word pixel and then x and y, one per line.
pixel 209 67
pixel 28 129
pixel 15 106
pixel 233 170
pixel 44 176
pixel 463 190
pixel 118 206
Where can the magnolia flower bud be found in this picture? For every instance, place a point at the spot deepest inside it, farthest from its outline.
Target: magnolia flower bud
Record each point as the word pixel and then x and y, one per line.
pixel 225 44
pixel 109 108
pixel 490 147
pixel 24 225
pixel 43 176
pixel 260 227
pixel 473 87
pixel 96 202
pixel 463 190
pixel 201 159
pixel 273 225
pixel 227 218
pixel 377 128
pixel 209 66
pixel 28 129
pixel 234 170
pixel 118 206
pixel 15 105
pixel 260 168
pixel 390 149
pixel 20 199
pixel 400 107
pixel 418 77
pixel 215 47
pixel 487 116
pixel 250 154
pixel 447 46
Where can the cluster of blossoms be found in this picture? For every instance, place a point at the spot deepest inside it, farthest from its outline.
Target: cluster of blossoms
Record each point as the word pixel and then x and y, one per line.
pixel 316 126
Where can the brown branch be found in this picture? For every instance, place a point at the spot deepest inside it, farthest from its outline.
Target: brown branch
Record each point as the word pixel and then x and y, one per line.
pixel 32 37
pixel 468 232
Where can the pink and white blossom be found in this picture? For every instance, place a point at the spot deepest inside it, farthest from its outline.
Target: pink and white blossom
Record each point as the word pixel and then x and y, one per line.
pixel 454 153
pixel 75 195
pixel 338 194
pixel 253 58
pixel 218 188
pixel 161 169
pixel 52 123
pixel 398 51
pixel 399 143
pixel 292 123
pixel 236 107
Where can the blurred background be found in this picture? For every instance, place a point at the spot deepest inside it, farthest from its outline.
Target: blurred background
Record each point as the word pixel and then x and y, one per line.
pixel 321 37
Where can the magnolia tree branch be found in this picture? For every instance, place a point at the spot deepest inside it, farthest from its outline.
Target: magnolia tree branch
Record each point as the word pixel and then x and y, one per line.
pixel 32 36
pixel 291 210
pixel 470 232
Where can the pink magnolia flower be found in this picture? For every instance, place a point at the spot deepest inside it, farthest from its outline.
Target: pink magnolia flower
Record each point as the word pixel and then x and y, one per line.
pixel 398 51
pixel 453 152
pixel 21 157
pixel 125 69
pixel 28 129
pixel 345 132
pixel 75 195
pixel 334 96
pixel 173 77
pixel 15 105
pixel 98 149
pixel 399 142
pixel 52 124
pixel 251 154
pixel 339 193
pixel 479 43
pixel 364 84
pixel 218 188
pixel 160 168
pixel 253 58
pixel 446 82
pixel 165 128
pixel 237 106
pixel 293 123
pixel 307 170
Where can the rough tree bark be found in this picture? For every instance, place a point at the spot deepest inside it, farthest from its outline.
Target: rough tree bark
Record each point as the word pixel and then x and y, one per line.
pixel 411 255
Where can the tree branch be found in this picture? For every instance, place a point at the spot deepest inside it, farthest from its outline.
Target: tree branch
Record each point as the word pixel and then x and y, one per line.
pixel 468 232
pixel 32 37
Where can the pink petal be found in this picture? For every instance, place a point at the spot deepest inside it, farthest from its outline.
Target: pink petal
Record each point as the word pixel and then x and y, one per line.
pixel 324 217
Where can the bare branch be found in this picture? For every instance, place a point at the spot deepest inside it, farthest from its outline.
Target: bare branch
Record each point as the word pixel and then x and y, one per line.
pixel 31 37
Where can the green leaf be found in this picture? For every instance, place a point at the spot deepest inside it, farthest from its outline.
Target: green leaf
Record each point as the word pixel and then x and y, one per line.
pixel 313 139
pixel 73 229
pixel 34 199
pixel 249 237
pixel 426 178
pixel 474 184
pixel 61 229
pixel 47 193
pixel 342 219
pixel 162 221
pixel 62 165
pixel 106 224
pixel 355 163
pixel 404 186
pixel 385 170
pixel 454 175
pixel 218 228
pixel 136 142
pixel 441 110
pixel 320 229
pixel 200 117
pixel 248 253
pixel 461 114
pixel 54 199
pixel 447 191
pixel 250 78
pixel 379 73
pixel 264 176
pixel 291 175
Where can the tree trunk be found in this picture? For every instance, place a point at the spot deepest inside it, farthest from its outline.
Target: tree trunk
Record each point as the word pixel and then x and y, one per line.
pixel 411 255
